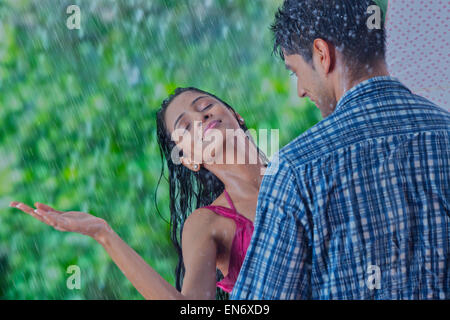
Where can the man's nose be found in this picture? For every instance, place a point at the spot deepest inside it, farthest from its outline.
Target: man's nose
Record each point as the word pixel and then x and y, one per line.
pixel 301 92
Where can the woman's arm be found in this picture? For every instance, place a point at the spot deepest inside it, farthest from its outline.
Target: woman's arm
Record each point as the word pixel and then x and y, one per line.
pixel 199 253
pixel 199 250
pixel 143 277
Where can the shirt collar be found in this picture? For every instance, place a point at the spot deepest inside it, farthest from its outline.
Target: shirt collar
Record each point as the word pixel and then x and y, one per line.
pixel 362 88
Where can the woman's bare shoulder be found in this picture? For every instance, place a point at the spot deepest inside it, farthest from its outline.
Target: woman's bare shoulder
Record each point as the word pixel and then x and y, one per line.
pixel 201 220
pixel 205 222
pixel 204 215
pixel 200 216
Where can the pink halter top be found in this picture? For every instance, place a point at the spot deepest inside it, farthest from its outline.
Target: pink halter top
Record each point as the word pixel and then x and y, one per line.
pixel 241 241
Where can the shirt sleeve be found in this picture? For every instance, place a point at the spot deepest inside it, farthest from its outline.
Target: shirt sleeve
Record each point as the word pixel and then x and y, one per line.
pixel 277 263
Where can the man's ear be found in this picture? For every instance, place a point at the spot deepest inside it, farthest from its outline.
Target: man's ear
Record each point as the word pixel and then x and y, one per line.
pixel 190 164
pixel 324 55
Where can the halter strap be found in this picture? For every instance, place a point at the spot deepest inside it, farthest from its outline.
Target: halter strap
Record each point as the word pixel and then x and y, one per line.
pixel 229 200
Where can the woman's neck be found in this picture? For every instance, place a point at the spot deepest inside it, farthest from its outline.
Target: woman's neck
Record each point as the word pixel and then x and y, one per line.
pixel 241 180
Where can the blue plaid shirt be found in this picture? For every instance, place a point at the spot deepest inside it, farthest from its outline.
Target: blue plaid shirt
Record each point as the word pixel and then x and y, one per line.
pixel 359 206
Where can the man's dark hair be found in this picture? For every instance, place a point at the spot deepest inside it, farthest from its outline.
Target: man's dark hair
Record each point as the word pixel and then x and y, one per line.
pixel 341 22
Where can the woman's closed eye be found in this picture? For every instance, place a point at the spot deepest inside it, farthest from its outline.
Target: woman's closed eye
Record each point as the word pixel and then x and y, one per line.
pixel 204 109
pixel 208 106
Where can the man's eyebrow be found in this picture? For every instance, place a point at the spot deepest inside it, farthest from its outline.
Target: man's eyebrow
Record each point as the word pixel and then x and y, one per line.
pixel 288 67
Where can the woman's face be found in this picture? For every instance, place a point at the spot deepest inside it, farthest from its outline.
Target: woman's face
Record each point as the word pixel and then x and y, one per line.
pixel 197 124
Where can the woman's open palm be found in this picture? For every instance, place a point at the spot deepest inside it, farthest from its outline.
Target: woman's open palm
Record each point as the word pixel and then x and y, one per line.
pixel 73 221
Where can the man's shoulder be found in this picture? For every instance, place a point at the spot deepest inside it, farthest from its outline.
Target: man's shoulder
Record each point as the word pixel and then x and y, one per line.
pixel 362 121
pixel 309 145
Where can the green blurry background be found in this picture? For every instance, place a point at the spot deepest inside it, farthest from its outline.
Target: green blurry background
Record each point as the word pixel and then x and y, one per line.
pixel 77 123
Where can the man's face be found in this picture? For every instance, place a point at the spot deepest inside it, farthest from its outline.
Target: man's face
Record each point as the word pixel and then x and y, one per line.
pixel 311 83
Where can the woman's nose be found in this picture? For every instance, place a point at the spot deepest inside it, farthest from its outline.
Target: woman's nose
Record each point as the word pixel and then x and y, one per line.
pixel 198 117
pixel 206 117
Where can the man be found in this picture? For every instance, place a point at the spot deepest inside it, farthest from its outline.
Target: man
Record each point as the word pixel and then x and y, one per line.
pixel 359 206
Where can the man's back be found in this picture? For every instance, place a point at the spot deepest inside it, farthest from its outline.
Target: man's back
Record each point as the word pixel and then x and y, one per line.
pixel 360 205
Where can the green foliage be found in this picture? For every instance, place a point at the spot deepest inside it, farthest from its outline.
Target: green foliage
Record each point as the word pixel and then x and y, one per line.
pixel 383 4
pixel 77 115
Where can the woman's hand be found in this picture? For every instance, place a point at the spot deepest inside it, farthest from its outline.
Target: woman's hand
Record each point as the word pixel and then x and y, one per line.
pixel 73 221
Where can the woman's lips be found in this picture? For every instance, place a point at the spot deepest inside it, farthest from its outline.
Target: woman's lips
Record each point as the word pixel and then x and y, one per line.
pixel 211 125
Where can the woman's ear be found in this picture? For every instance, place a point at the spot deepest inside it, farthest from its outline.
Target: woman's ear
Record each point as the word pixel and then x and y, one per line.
pixel 190 165
pixel 240 118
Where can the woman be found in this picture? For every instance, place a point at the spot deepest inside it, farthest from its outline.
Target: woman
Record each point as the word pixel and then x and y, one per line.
pixel 210 231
